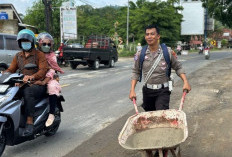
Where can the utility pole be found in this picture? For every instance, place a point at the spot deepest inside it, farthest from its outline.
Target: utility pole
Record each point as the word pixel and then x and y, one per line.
pixel 48 13
pixel 206 21
pixel 127 32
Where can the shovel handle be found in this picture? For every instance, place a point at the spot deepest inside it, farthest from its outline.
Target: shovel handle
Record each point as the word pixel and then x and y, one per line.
pixel 182 99
pixel 135 105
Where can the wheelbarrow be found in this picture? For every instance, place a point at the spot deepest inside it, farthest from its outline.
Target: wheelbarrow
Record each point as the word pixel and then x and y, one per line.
pixel 162 131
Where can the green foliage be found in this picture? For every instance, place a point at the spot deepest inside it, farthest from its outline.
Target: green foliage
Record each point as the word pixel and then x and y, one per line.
pixel 101 21
pixel 164 14
pixel 126 53
pixel 98 21
pixel 224 42
pixel 221 10
pixel 35 16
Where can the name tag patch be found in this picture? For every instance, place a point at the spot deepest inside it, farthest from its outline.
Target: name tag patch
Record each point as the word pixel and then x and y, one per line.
pixel 163 65
pixel 136 57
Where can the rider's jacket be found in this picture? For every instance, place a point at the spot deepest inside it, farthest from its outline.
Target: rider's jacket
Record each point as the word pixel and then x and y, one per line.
pixel 36 57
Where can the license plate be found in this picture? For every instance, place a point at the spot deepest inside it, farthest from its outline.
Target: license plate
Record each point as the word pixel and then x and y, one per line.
pixel 3 88
pixel 206 52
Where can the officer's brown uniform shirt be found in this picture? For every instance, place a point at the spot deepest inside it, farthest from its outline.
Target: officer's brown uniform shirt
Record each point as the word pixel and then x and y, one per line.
pixel 159 74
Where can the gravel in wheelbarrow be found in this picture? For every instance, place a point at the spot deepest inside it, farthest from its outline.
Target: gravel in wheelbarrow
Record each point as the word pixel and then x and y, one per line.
pixel 154 130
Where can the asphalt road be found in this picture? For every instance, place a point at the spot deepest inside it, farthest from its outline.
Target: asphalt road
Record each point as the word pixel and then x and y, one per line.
pixel 94 100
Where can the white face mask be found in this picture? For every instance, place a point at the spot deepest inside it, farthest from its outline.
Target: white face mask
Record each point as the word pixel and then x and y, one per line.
pixel 26 45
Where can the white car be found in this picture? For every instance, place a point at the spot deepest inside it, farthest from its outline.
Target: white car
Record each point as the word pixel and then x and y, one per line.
pixel 8 48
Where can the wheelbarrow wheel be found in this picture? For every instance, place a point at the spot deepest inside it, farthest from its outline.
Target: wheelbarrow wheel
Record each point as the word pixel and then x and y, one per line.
pixel 158 153
pixel 178 154
pixel 176 151
pixel 146 153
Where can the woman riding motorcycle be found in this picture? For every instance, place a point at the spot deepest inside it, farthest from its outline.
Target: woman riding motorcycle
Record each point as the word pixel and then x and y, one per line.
pixel 45 44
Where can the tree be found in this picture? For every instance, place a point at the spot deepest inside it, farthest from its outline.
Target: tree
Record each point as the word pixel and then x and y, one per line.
pixel 164 14
pixel 100 21
pixel 35 16
pixel 221 10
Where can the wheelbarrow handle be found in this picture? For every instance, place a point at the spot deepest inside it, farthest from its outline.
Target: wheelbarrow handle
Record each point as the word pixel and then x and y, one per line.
pixel 135 105
pixel 182 99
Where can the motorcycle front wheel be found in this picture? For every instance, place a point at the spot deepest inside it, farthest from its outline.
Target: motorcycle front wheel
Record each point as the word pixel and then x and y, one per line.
pixel 207 57
pixel 2 143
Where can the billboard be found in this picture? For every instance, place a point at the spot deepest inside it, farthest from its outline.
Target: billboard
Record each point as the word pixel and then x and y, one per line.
pixel 193 18
pixel 68 23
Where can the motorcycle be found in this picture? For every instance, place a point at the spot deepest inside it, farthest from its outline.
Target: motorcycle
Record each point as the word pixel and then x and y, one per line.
pixel 60 59
pixel 207 53
pixel 12 117
pixel 200 51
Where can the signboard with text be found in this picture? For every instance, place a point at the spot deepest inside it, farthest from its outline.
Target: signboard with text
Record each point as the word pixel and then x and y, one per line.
pixel 68 23
pixel 193 18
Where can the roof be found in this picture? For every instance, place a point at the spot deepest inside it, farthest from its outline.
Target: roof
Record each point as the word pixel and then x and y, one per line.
pixel 26 25
pixel 11 6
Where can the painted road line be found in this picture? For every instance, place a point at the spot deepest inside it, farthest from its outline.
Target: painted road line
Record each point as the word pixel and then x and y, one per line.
pixel 65 85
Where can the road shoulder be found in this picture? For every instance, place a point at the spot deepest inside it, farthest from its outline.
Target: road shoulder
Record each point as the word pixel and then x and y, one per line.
pixel 208 109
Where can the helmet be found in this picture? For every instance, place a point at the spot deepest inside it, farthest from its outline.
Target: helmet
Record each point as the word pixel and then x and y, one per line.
pixel 43 36
pixel 26 34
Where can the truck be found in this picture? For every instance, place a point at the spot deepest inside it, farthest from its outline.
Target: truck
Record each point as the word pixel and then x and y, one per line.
pixel 97 50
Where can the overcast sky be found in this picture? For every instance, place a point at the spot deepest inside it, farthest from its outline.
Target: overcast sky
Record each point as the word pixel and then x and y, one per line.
pixel 22 5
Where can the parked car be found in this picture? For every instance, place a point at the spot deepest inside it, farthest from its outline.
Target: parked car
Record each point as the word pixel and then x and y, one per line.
pixel 8 48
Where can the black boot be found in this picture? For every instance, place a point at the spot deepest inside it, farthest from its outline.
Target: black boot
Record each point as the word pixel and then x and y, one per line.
pixel 29 130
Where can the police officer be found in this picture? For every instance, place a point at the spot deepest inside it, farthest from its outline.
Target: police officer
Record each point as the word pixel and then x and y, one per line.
pixel 156 94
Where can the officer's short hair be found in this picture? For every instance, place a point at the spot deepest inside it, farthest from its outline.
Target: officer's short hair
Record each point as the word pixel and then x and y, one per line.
pixel 153 26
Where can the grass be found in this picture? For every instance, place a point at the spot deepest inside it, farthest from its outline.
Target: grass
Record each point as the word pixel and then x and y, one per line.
pixel 126 53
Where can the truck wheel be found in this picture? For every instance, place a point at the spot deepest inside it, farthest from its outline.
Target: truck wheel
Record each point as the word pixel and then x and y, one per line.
pixel 111 63
pixel 73 65
pixel 96 64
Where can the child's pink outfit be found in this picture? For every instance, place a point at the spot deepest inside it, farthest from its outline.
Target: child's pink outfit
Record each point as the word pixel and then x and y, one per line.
pixel 53 88
pixel 52 62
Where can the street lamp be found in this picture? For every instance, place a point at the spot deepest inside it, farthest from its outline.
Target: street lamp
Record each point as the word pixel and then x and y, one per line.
pixel 47 12
pixel 206 21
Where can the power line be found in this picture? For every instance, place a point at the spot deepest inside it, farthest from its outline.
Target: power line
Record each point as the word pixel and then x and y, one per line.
pixel 89 3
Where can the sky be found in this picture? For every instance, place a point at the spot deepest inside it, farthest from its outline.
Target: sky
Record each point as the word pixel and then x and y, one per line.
pixel 22 5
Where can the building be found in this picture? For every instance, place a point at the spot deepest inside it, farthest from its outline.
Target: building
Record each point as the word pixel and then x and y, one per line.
pixel 11 22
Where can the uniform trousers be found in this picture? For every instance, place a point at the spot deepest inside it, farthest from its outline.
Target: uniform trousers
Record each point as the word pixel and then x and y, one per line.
pixel 156 99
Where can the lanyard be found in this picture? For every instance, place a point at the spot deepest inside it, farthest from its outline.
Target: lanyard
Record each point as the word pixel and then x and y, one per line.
pixel 153 68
